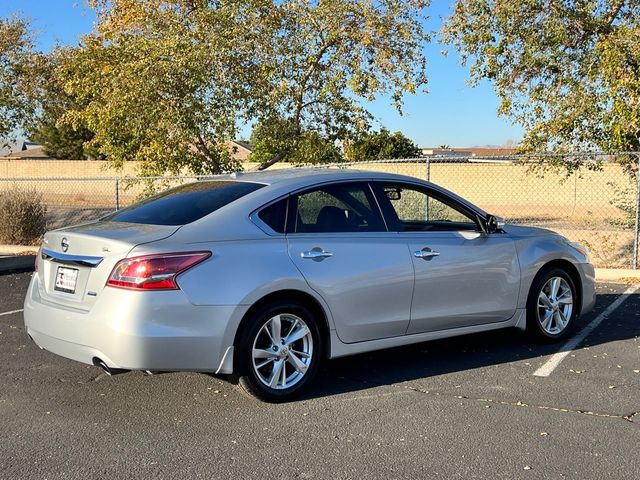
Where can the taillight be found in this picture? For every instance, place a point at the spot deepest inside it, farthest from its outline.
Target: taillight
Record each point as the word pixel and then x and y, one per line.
pixel 153 272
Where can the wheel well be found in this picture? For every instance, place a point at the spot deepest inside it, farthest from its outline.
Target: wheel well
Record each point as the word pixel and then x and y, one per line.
pixel 572 271
pixel 290 296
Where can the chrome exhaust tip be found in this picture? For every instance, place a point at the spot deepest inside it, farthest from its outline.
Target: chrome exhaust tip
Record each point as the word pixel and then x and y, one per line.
pixel 106 368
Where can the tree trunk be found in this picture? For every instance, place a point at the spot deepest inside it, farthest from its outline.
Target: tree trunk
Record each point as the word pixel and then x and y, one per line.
pixel 214 164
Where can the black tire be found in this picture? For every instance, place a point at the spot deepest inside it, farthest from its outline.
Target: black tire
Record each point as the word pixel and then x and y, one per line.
pixel 536 315
pixel 249 378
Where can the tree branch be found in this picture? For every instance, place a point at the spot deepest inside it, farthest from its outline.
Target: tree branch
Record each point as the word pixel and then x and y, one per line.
pixel 202 148
pixel 272 161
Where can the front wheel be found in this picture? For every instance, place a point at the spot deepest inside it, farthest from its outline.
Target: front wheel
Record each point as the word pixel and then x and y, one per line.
pixel 279 352
pixel 552 305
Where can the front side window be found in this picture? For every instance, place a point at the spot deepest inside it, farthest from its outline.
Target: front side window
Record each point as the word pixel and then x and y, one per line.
pixel 412 209
pixel 342 207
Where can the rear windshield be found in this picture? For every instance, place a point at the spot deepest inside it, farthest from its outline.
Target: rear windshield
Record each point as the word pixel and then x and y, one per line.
pixel 184 204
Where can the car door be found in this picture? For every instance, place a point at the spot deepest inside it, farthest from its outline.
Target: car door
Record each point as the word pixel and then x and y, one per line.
pixel 338 240
pixel 463 276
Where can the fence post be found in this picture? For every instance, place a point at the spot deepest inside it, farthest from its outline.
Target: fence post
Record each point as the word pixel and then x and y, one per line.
pixel 117 194
pixel 636 233
pixel 428 165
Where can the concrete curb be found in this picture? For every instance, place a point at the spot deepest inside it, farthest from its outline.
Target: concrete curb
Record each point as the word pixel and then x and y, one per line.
pixel 16 263
pixel 14 258
pixel 17 249
pixel 608 274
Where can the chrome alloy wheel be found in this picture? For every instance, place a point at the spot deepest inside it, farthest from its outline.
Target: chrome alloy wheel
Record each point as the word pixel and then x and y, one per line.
pixel 282 351
pixel 555 305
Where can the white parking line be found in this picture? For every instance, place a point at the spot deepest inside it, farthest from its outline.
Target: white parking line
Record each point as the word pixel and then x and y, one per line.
pixel 551 364
pixel 9 313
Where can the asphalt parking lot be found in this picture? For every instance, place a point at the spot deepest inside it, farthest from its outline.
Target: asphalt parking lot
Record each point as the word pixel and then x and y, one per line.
pixel 468 407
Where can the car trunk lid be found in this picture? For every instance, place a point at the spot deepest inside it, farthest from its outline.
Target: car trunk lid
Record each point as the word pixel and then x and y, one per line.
pixel 76 262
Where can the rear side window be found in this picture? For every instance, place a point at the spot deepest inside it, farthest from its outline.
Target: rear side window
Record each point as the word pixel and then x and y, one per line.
pixel 184 204
pixel 275 215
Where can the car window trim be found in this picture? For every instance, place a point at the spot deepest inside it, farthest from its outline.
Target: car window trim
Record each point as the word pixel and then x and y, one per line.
pixel 377 186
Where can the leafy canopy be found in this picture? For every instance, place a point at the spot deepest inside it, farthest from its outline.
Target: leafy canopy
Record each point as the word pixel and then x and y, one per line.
pixel 326 56
pixel 16 60
pixel 59 138
pixel 380 145
pixel 165 82
pixel 568 71
pixel 279 139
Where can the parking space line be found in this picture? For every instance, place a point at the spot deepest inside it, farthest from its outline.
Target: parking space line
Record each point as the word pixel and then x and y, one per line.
pixel 9 313
pixel 551 364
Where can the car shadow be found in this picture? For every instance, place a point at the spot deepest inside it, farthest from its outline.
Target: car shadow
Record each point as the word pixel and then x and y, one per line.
pixel 468 352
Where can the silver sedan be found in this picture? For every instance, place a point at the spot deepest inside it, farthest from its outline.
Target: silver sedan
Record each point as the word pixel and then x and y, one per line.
pixel 265 275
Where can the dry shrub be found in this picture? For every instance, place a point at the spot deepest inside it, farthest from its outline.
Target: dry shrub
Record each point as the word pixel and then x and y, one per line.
pixel 23 216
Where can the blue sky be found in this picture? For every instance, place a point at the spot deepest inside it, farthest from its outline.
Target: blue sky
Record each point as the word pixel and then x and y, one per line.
pixel 451 113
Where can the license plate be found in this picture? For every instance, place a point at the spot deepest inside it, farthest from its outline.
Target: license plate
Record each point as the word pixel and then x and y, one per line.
pixel 66 279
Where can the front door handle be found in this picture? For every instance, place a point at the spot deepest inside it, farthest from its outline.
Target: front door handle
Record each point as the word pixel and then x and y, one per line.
pixel 316 253
pixel 426 253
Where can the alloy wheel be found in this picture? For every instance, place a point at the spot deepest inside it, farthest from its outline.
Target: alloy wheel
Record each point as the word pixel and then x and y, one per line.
pixel 555 305
pixel 282 351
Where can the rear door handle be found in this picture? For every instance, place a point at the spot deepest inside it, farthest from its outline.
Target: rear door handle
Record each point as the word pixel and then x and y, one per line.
pixel 426 253
pixel 316 253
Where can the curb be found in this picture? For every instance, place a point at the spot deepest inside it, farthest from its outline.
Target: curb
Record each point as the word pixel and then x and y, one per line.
pixel 17 249
pixel 17 263
pixel 608 274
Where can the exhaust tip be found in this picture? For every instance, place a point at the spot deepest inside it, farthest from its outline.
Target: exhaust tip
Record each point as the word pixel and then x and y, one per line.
pixel 98 362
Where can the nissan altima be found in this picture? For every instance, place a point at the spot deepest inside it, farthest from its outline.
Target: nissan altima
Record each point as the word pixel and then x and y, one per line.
pixel 264 275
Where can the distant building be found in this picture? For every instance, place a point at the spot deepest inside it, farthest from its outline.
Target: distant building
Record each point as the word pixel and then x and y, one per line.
pixel 12 145
pixel 25 150
pixel 445 152
pixel 239 149
pixel 467 152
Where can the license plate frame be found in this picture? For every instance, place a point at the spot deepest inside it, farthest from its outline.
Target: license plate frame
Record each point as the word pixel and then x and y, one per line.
pixel 66 280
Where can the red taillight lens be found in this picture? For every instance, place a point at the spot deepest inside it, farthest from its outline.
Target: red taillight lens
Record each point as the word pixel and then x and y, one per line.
pixel 154 272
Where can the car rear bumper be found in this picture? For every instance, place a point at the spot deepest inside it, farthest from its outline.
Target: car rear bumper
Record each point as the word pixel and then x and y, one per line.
pixel 134 330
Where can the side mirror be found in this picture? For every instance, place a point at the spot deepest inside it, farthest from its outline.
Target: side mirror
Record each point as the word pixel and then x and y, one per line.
pixel 494 224
pixel 393 193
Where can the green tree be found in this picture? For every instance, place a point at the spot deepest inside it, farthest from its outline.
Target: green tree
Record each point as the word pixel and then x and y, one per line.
pixel 32 100
pixel 280 138
pixel 380 145
pixel 568 71
pixel 327 55
pixel 17 59
pixel 59 139
pixel 165 82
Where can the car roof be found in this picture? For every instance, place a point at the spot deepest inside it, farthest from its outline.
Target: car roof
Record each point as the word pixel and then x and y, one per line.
pixel 233 220
pixel 310 175
pixel 280 181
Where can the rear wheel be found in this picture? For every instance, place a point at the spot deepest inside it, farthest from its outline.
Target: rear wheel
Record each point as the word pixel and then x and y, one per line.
pixel 279 352
pixel 552 305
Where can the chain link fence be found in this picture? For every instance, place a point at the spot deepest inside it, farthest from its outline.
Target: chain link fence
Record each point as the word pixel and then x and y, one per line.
pixel 596 203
